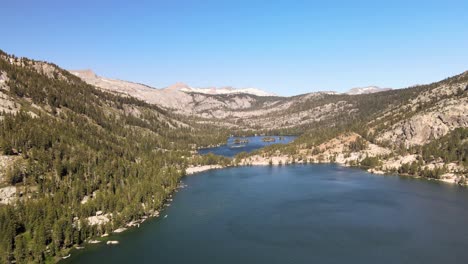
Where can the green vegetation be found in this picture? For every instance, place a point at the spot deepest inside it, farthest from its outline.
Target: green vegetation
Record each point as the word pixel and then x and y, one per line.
pixel 453 147
pixel 369 114
pixel 358 145
pixel 370 162
pixel 73 141
pixel 238 141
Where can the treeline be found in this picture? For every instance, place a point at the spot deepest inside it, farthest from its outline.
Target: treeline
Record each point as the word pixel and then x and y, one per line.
pixel 452 147
pixel 210 159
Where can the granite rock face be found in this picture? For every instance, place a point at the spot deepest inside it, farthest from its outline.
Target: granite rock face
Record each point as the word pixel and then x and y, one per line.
pixel 430 124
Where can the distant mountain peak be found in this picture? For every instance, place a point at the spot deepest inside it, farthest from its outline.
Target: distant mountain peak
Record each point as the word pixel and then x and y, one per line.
pixel 177 86
pixel 366 90
pixel 86 73
pixel 226 90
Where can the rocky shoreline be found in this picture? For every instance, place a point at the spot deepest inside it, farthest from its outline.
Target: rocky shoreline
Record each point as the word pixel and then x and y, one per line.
pixel 197 169
pixel 105 238
pixel 101 218
pixel 285 160
pixel 282 160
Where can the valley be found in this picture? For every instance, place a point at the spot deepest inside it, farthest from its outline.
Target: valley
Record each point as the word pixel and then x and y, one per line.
pixel 222 132
pixel 384 130
pixel 84 156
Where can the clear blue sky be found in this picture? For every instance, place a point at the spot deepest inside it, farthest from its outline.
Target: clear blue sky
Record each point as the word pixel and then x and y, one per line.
pixel 287 47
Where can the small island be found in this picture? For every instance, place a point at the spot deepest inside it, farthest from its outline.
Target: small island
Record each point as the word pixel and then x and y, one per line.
pixel 268 139
pixel 239 141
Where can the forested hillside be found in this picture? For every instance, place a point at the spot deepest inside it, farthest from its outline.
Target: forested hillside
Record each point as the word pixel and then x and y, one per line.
pixel 417 131
pixel 245 114
pixel 69 150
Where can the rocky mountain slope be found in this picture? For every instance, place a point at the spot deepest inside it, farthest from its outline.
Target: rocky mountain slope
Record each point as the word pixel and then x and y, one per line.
pixel 391 123
pixel 430 115
pixel 421 131
pixel 239 110
pixel 127 87
pixel 168 98
pixel 179 96
pixel 435 109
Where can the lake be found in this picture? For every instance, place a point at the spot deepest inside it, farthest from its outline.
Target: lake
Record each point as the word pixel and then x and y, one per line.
pixel 299 214
pixel 231 149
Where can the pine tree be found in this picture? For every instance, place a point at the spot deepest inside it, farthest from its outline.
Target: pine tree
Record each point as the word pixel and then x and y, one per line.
pixel 21 250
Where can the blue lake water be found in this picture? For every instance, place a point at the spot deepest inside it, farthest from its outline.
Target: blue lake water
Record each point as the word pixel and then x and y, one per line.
pixel 299 214
pixel 231 149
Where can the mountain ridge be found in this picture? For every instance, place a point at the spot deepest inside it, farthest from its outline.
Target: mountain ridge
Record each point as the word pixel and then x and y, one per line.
pixel 91 76
pixel 246 111
pixel 366 90
pixel 88 75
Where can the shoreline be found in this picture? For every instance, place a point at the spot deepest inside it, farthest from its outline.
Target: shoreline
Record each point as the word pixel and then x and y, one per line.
pixel 201 168
pixel 256 160
pixel 108 239
pixel 104 239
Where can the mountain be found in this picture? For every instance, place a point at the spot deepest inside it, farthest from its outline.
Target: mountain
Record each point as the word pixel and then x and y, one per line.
pixel 227 90
pixel 171 97
pixel 179 97
pixel 419 131
pixel 177 86
pixel 82 155
pixel 239 111
pixel 247 112
pixel 367 90
pixel 232 110
pixel 134 88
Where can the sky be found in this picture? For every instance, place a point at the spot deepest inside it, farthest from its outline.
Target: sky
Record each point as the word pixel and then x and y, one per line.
pixel 286 47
